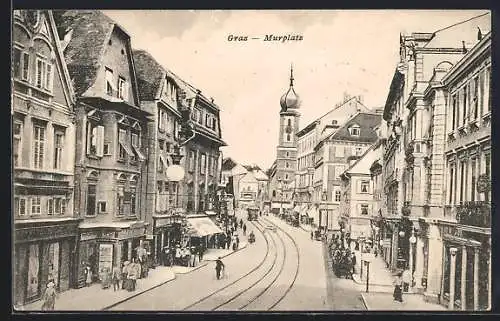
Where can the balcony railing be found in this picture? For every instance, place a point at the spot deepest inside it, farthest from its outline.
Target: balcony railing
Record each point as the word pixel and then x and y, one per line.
pixel 474 214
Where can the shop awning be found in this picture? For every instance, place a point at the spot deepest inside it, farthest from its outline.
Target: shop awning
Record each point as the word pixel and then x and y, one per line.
pixel 202 226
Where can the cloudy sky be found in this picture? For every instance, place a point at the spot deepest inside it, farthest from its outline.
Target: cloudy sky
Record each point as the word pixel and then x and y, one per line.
pixel 341 51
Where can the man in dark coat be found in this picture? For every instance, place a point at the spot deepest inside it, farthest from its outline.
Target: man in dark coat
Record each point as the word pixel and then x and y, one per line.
pixel 219 266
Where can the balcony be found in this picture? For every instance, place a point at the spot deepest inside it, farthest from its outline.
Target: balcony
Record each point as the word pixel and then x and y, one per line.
pixel 474 214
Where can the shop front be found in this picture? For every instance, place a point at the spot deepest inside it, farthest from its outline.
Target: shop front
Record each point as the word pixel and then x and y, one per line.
pixel 167 232
pixel 103 246
pixel 202 231
pixel 44 250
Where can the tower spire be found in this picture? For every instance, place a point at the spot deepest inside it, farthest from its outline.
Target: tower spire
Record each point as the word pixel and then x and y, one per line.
pixel 291 75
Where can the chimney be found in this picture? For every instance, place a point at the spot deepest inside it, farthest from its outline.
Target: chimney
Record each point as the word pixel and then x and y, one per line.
pixel 346 96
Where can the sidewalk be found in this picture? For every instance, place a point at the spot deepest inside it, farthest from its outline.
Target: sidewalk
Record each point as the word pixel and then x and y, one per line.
pixel 380 276
pixel 411 302
pixel 95 298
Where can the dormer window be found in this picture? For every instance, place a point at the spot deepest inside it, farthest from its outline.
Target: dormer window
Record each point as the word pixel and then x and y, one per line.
pixel 354 130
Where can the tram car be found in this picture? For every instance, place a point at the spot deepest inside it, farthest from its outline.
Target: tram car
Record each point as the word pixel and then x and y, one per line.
pixel 253 213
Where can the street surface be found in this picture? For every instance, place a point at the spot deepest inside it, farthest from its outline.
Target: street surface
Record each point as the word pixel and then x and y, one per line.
pixel 283 270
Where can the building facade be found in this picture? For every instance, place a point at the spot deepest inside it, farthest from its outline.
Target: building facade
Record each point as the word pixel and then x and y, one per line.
pixel 357 203
pixel 43 152
pixel 308 138
pixel 466 281
pixel 333 155
pixel 161 96
pixel 111 132
pixel 418 107
pixel 202 155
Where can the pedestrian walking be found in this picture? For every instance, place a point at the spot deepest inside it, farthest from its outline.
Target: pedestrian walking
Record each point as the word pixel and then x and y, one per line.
pixel 312 235
pixel 241 222
pixel 398 293
pixel 353 263
pixel 105 278
pixel 406 280
pixel 88 275
pixel 125 280
pixel 49 297
pixel 244 229
pixel 219 266
pixel 116 278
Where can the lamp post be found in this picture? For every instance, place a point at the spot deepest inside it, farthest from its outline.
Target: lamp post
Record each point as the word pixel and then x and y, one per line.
pixel 413 240
pixel 368 259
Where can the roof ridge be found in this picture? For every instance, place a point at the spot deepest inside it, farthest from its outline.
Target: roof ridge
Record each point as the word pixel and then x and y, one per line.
pixel 332 110
pixel 460 22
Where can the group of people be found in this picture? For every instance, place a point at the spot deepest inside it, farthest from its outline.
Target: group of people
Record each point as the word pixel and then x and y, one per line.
pixel 343 260
pixel 183 256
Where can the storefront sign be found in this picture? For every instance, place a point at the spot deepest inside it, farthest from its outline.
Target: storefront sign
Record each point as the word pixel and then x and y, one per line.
pixel 108 235
pixel 163 221
pixel 30 234
pixel 85 236
pixel 105 257
pixel 131 233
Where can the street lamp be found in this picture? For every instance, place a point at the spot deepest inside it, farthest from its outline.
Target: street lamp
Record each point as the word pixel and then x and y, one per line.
pixel 368 259
pixel 412 240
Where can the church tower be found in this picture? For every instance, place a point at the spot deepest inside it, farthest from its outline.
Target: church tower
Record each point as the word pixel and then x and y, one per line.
pixel 286 156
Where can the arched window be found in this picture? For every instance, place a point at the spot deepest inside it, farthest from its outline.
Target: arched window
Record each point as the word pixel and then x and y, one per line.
pixel 287 165
pixel 289 122
pixel 274 193
pixel 287 137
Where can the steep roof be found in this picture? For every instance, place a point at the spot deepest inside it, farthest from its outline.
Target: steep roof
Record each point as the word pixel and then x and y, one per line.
pixel 315 122
pixel 363 164
pixel 83 53
pixel 149 74
pixel 367 123
pixel 467 30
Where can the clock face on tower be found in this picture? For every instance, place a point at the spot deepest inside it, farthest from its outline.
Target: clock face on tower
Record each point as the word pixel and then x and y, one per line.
pixel 288 129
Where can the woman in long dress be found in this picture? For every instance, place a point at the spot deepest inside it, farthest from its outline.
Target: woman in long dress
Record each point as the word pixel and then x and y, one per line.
pixel 49 297
pixel 88 277
pixel 398 291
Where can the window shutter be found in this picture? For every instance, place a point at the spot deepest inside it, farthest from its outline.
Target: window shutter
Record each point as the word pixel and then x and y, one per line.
pixel 125 90
pixel 39 67
pixel 89 137
pixel 49 77
pixel 100 141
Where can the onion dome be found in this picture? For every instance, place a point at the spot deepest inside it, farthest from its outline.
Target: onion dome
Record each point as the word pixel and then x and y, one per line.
pixel 290 100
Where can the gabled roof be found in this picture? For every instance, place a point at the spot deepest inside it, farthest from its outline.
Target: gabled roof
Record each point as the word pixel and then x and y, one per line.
pixel 149 74
pixel 363 164
pixel 453 35
pixel 367 123
pixel 317 121
pixel 83 53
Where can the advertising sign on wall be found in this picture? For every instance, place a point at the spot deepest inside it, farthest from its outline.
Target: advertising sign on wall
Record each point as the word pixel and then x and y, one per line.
pixel 105 257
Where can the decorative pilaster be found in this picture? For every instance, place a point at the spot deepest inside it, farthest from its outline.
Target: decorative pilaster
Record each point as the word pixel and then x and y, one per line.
pixel 463 281
pixel 453 262
pixel 129 254
pixel 419 264
pixel 476 279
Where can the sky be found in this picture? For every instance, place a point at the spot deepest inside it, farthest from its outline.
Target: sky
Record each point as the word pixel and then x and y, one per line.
pixel 342 51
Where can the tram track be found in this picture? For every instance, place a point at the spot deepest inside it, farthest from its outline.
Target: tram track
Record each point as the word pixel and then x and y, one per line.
pixel 240 293
pixel 250 273
pixel 296 273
